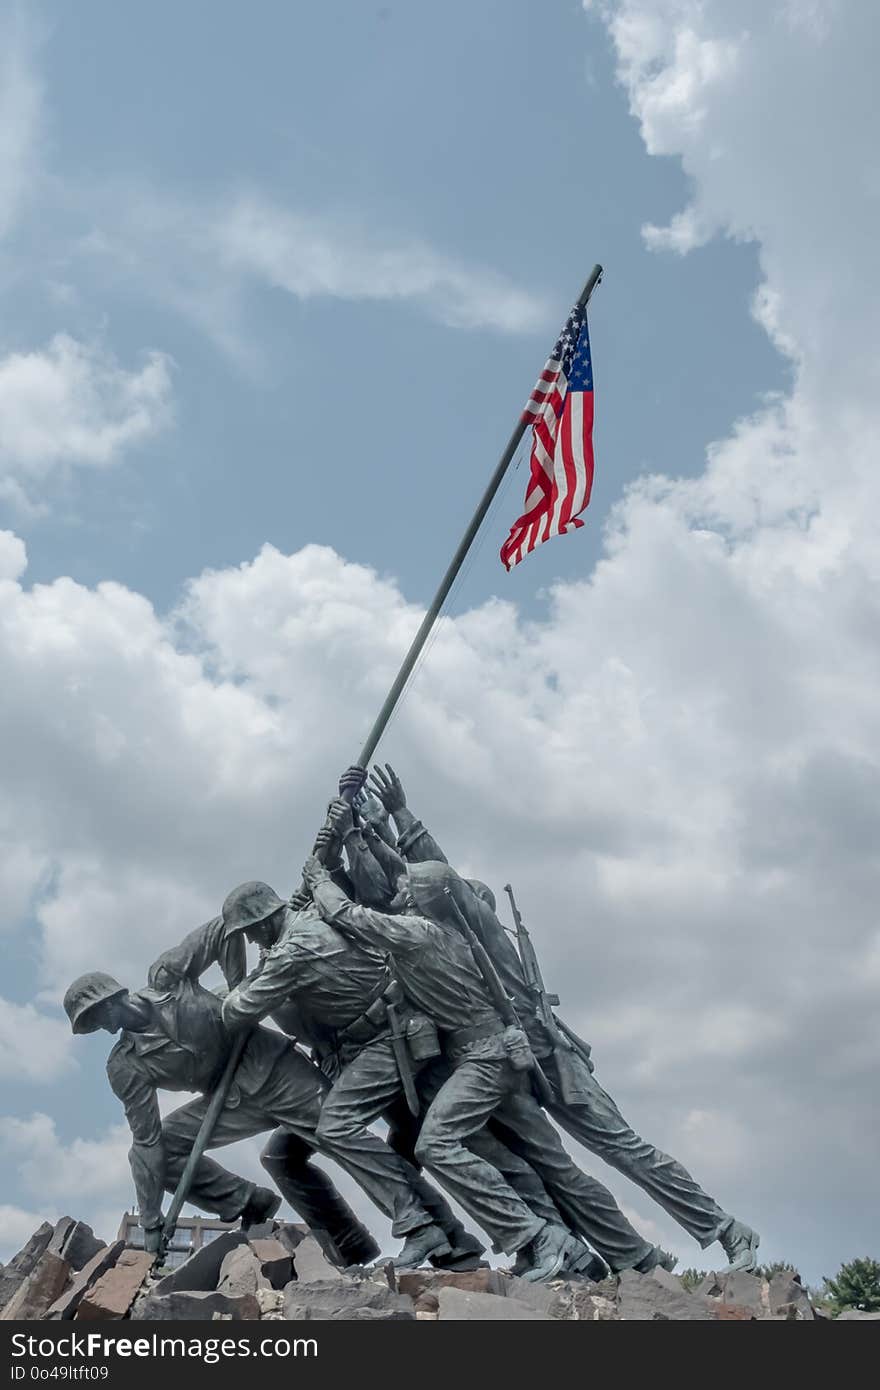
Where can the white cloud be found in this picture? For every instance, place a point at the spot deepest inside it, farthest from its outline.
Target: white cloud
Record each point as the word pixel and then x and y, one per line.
pixel 21 102
pixel 60 1172
pixel 73 404
pixel 686 822
pixel 85 1178
pixel 33 1045
pixel 204 260
pixel 311 257
pixel 678 765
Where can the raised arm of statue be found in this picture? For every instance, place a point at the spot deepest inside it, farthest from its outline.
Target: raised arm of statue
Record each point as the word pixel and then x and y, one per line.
pixel 414 842
pixel 197 952
pixel 396 933
pixel 371 873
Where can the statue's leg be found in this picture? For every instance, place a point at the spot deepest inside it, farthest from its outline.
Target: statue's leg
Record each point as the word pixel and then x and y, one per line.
pixel 358 1096
pixel 460 1109
pixel 313 1196
pixel 214 1188
pixel 403 1131
pixel 597 1123
pixel 588 1206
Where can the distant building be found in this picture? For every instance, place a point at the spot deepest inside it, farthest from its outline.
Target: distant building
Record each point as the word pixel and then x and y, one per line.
pixel 191 1234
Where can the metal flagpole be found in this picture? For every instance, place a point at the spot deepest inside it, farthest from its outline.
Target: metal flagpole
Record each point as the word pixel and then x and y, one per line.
pixel 455 565
pixel 219 1097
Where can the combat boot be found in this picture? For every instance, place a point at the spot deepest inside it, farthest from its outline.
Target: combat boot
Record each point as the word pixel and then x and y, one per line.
pixel 464 1254
pixel 421 1245
pixel 261 1206
pixel 739 1243
pixel 657 1256
pixel 584 1262
pixel 546 1253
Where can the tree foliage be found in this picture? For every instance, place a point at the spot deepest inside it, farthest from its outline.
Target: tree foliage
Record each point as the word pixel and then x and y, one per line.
pixel 856 1285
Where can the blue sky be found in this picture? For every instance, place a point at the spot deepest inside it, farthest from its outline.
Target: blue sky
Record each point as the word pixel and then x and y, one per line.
pixel 369 426
pixel 275 285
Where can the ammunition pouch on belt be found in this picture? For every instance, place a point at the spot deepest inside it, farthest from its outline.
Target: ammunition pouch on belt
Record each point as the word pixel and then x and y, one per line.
pixel 573 1075
pixel 516 1045
pixel 422 1038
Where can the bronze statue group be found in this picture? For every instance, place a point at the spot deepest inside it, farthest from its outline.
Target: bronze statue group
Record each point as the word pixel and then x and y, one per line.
pixel 396 995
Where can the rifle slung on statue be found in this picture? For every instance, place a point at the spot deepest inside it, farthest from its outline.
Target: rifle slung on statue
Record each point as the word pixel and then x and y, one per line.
pixel 519 1053
pixel 570 1053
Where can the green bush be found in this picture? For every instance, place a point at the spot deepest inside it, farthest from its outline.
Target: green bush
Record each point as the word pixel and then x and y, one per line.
pixel 856 1285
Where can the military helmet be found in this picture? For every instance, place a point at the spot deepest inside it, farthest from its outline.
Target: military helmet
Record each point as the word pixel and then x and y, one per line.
pixel 483 891
pixel 432 884
pixel 84 994
pixel 249 903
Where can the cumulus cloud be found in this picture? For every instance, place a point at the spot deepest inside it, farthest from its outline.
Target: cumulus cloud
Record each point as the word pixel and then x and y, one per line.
pixel 84 1178
pixel 33 1045
pixel 677 764
pixel 73 404
pixel 656 839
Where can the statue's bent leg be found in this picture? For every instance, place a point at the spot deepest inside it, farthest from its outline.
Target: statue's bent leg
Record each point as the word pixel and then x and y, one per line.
pixel 213 1188
pixel 403 1133
pixel 366 1086
pixel 313 1196
pixel 461 1108
pixel 597 1123
pixel 588 1206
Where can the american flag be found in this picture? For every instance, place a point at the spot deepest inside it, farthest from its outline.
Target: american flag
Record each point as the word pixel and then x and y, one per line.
pixel 560 410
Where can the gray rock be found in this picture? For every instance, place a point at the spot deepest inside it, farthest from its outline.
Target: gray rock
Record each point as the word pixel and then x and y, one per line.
pixel 290 1233
pixel 197 1305
pixel 642 1298
pixel 62 1229
pixel 202 1270
pixel 786 1292
pixel 115 1291
pixel 240 1273
pixel 553 1300
pixel 23 1262
pixel 415 1282
pixel 311 1264
pixel 857 1315
pixel 80 1245
pixel 66 1305
pixel 264 1230
pixel 745 1291
pixel 345 1300
pixel 276 1263
pixel 35 1295
pixel 463 1305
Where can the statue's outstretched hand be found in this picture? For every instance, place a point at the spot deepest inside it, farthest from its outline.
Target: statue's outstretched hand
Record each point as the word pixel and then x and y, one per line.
pixel 388 787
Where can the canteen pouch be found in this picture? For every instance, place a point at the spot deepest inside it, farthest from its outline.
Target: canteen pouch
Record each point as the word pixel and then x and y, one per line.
pixel 574 1074
pixel 516 1045
pixel 422 1038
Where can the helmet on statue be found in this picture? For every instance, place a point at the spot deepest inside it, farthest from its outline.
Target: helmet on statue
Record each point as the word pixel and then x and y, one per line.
pixel 249 903
pixel 483 891
pixel 82 997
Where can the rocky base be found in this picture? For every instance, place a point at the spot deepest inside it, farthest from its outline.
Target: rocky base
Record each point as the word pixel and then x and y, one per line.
pixel 282 1272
